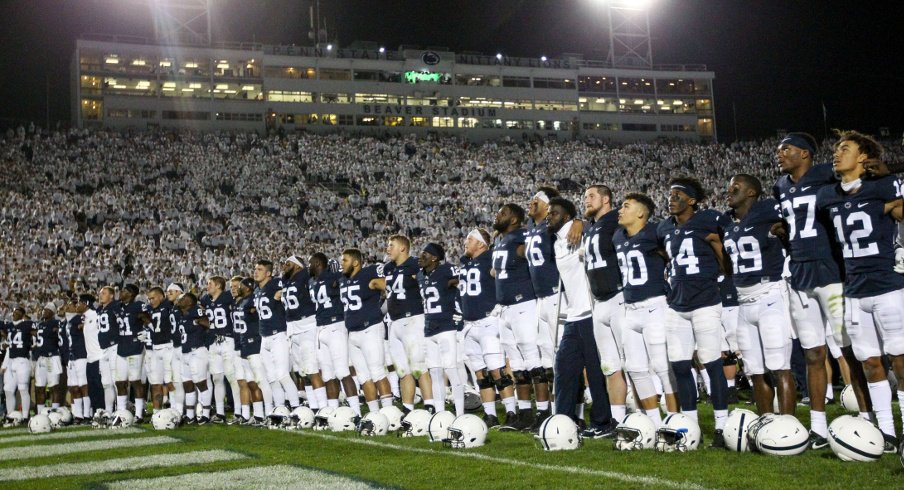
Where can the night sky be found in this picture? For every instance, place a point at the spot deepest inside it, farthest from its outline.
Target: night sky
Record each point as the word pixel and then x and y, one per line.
pixel 777 62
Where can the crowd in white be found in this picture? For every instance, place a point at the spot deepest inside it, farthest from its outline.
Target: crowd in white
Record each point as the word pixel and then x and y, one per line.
pixel 84 208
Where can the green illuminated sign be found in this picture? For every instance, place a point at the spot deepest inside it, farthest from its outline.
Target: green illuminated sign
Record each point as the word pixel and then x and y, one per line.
pixel 417 76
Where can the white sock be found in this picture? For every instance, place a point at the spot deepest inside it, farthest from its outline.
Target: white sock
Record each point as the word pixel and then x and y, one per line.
pixel 246 411
pixel 77 408
pixel 830 393
pixel 720 416
pixel 618 412
pixel 439 389
pixel 509 404
pixel 587 396
pixel 355 404
pixel 333 402
pixel 409 406
pixel 10 399
pixel 386 401
pixel 191 400
pixel 320 394
pixel 880 392
pixel 219 393
pixel 86 407
pixel 655 416
pixel 279 396
pixel 25 395
pixel 54 405
pixel 489 408
pixel 543 405
pixel 524 405
pixel 394 383
pixel 731 382
pixel 373 405
pixel 458 391
pixel 692 414
pixel 866 416
pixel 818 423
pixel 139 407
pixel 310 396
pixel 705 374
pixel 291 391
pixel 258 410
pixel 121 402
pixel 579 411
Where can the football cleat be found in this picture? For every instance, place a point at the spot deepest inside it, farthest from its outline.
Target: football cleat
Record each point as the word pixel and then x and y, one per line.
pixel 817 441
pixel 542 415
pixel 891 444
pixel 718 440
pixel 202 420
pixel 491 420
pixel 218 419
pixel 510 424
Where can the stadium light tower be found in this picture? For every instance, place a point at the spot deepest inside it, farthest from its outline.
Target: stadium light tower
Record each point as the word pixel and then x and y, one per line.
pixel 629 33
pixel 181 21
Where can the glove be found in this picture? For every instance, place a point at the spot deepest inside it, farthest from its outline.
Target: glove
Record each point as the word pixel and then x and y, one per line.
pixel 496 311
pixel 144 336
pixel 899 260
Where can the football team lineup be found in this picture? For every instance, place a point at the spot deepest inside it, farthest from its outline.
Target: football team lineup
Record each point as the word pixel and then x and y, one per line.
pixel 602 331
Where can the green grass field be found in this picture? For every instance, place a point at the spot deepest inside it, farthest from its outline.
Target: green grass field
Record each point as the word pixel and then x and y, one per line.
pixel 328 460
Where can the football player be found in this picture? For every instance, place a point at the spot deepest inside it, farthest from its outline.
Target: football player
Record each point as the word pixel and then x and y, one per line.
pixel 108 337
pixel 218 306
pixel 517 311
pixel 360 293
pixel 177 394
pixel 578 348
pixel 255 389
pixel 439 288
pixel 545 279
pixel 691 237
pixel 604 276
pixel 815 281
pixel 406 327
pixel 274 342
pixel 48 367
pixel 483 351
pixel 301 326
pixel 332 336
pixel 757 259
pixel 642 262
pixel 18 362
pixel 193 325
pixel 77 379
pixel 863 213
pixel 131 318
pixel 160 357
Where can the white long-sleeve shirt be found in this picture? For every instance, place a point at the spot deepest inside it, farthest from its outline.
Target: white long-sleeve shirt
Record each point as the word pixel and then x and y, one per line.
pixel 579 303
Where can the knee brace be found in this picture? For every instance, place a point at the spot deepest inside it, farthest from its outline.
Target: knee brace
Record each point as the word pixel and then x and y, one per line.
pixel 485 383
pixel 522 378
pixel 503 382
pixel 538 375
pixel 730 360
pixel 643 385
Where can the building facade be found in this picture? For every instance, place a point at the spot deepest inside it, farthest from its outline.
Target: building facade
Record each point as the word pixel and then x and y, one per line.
pixel 129 83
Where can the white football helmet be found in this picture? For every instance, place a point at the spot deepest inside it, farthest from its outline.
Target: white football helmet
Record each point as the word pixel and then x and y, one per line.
pixel 65 415
pixel 782 435
pixel 13 419
pixel 278 417
pixel 121 419
pixel 343 419
pixel 56 420
pixel 394 415
pixel 438 427
pixel 304 417
pixel 678 433
pixel 755 427
pixel 636 431
pixel 415 424
pixel 373 424
pixel 855 439
pixel 559 433
pixel 322 419
pixel 849 399
pixel 467 431
pixel 736 427
pixel 101 419
pixel 39 424
pixel 165 419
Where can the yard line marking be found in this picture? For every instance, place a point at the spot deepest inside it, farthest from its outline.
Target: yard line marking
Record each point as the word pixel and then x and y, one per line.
pixel 71 435
pixel 40 451
pixel 24 430
pixel 646 480
pixel 117 465
pixel 278 476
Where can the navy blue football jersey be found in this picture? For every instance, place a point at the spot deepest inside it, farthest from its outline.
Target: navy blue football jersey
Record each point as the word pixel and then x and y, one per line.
pixel 175 315
pixel 361 304
pixel 866 234
pixel 600 260
pixel 107 327
pixel 161 324
pixel 439 299
pixel 47 339
pixel 246 327
pixel 296 298
pixel 193 335
pixel 756 254
pixel 813 263
pixel 476 287
pixel 403 296
pixel 19 338
pixel 541 262
pixel 76 336
pixel 326 295
pixel 728 292
pixel 218 312
pixel 270 312
pixel 130 325
pixel 513 284
pixel 694 271
pixel 642 266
